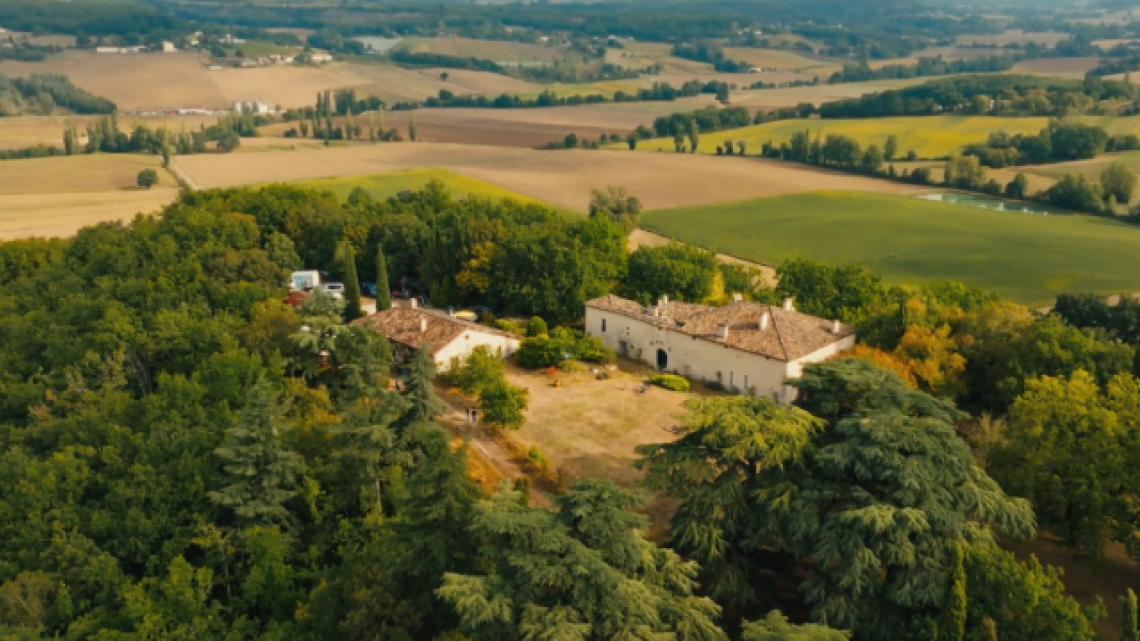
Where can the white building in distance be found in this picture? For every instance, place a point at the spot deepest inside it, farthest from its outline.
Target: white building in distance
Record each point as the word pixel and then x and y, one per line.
pixel 748 348
pixel 451 340
pixel 251 106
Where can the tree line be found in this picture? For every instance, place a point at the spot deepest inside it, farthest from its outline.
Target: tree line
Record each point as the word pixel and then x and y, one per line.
pixel 660 91
pixel 42 93
pixel 999 95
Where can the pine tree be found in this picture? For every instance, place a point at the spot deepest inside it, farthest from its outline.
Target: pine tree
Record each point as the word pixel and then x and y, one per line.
pixel 888 466
pixel 383 288
pixel 694 135
pixel 259 471
pixel 586 572
pixel 953 625
pixel 352 308
pixel 412 127
pixel 1129 626
pixel 424 404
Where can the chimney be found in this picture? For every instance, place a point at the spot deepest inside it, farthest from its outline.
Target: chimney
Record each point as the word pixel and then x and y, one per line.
pixel 414 303
pixel 423 325
pixel 722 331
pixel 835 325
pixel 663 301
pixel 764 320
pixel 737 297
pixel 789 304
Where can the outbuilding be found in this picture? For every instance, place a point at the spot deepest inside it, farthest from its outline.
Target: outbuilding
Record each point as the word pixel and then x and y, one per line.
pixel 450 339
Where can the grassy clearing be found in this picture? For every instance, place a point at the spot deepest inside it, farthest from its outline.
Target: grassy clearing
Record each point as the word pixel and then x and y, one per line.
pixel 384 185
pixel 1027 258
pixel 929 136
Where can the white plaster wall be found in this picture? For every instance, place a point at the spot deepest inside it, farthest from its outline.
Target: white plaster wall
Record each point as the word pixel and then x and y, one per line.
pixel 694 358
pixel 463 345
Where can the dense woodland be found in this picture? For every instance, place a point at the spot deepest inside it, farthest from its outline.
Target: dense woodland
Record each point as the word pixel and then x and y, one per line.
pixel 1002 95
pixel 184 456
pixel 40 94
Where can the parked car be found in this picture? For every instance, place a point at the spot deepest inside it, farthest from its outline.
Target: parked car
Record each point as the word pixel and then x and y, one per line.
pixel 336 290
pixel 368 289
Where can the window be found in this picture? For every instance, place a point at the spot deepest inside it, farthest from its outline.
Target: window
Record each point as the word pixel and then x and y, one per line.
pixel 746 382
pixel 731 376
pixel 603 324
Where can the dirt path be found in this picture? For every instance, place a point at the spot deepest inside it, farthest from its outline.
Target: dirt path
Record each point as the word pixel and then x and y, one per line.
pixel 181 175
pixel 485 446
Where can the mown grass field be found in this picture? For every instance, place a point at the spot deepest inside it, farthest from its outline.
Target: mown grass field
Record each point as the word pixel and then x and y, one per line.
pixel 1027 258
pixel 929 136
pixel 389 184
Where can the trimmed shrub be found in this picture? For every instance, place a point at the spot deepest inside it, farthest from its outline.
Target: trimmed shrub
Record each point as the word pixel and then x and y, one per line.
pixel 670 382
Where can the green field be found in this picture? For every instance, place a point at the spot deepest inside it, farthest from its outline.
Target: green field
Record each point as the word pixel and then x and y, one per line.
pixel 605 88
pixel 383 186
pixel 929 136
pixel 1026 258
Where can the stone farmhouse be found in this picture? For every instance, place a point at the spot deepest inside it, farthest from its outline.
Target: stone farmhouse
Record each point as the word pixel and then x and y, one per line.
pixel 745 347
pixel 450 339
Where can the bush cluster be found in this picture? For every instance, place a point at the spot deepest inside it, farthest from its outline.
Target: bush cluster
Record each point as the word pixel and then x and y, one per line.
pixel 548 350
pixel 670 382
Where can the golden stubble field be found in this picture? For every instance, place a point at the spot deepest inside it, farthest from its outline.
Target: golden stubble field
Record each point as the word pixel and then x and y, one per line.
pixel 561 178
pixel 28 131
pixel 169 81
pixel 57 196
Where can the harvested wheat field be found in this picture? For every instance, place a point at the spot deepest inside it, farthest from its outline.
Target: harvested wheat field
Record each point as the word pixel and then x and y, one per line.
pixel 782 60
pixel 28 131
pixel 536 127
pixel 1062 67
pixel 501 51
pixel 57 196
pixel 640 55
pixel 1015 36
pixel 168 81
pixel 561 178
pixel 27 215
pixel 765 99
pixel 135 81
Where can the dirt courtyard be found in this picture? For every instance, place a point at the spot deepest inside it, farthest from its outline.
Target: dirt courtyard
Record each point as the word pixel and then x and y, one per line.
pixel 590 428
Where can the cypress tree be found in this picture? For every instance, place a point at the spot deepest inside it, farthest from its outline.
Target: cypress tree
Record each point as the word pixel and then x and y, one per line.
pixel 352 309
pixel 383 289
pixel 953 627
pixel 1129 625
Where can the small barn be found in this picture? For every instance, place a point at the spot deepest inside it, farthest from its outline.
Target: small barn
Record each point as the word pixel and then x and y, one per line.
pixel 450 339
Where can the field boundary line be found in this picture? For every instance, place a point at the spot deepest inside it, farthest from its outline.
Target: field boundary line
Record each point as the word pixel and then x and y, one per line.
pixel 181 176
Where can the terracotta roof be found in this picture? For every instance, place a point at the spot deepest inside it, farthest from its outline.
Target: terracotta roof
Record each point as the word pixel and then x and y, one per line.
pixel 402 325
pixel 789 335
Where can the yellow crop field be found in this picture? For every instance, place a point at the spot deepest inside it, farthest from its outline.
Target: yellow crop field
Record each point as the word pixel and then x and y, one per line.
pixel 929 136
pixel 389 184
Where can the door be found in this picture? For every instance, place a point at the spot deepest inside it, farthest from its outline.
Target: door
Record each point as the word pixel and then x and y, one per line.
pixel 662 359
